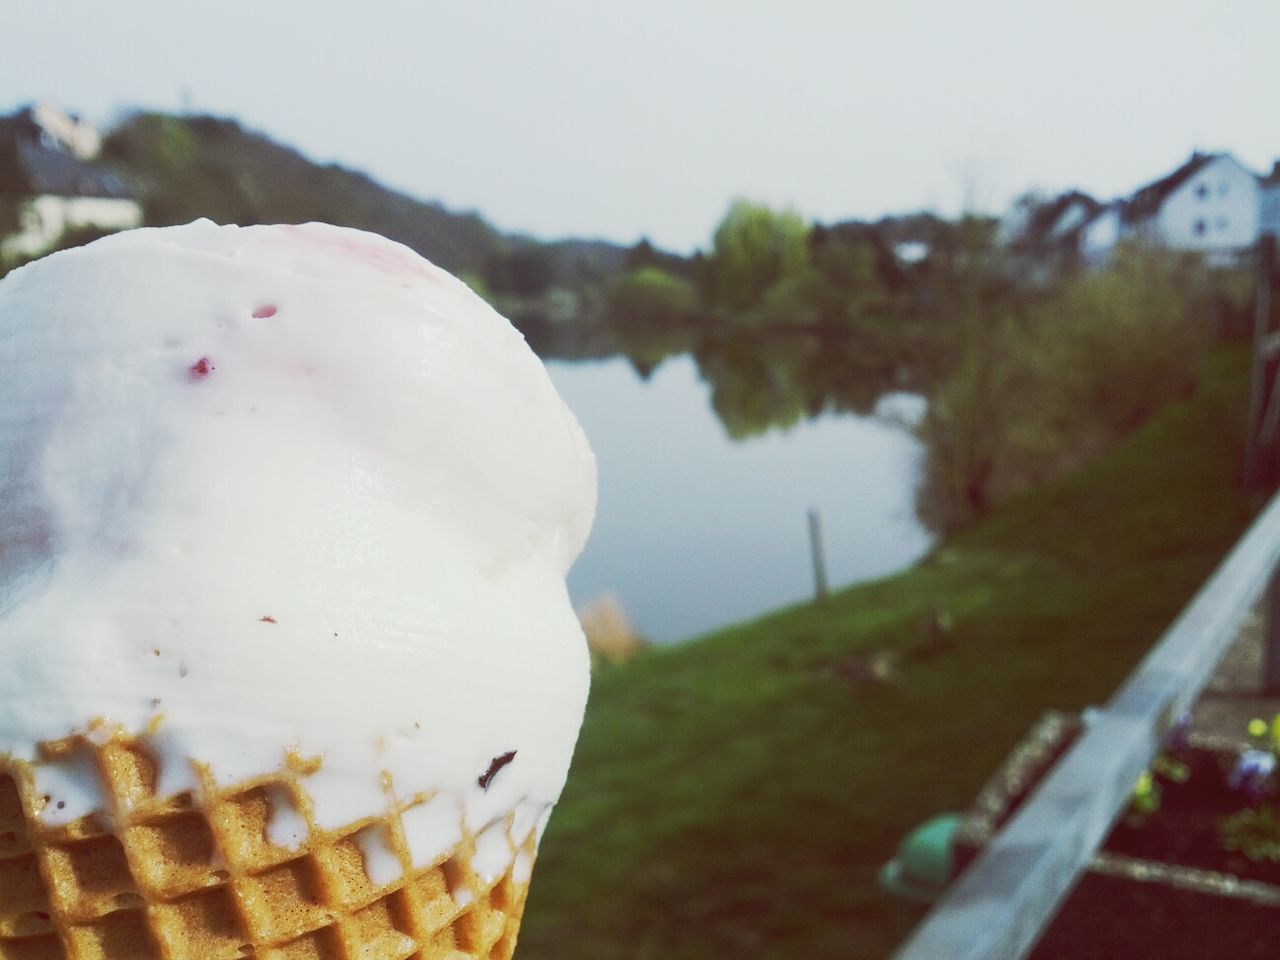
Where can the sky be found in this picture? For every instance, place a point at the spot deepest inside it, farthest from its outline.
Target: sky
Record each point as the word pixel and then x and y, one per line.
pixel 597 118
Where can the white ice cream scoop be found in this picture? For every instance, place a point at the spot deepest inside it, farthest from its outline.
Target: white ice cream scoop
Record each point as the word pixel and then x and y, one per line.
pixel 274 489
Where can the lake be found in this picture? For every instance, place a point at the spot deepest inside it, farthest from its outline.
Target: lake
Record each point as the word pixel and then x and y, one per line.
pixel 695 531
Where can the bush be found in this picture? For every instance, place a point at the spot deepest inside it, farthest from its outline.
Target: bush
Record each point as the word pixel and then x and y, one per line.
pixel 653 314
pixel 610 636
pixel 753 248
pixel 1039 392
pixel 649 298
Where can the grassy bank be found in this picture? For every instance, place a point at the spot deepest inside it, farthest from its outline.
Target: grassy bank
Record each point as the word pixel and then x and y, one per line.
pixel 734 797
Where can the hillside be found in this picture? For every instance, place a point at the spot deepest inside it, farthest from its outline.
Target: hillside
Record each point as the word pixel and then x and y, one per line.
pixel 202 166
pixel 189 167
pixel 735 796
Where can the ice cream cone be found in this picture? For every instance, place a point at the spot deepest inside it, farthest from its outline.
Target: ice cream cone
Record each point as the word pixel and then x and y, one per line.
pixel 290 668
pixel 241 871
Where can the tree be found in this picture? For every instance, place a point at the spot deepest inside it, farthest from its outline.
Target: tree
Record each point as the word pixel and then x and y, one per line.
pixel 645 254
pixel 753 248
pixel 526 270
pixel 650 299
pixel 1042 388
pixel 855 268
pixel 654 315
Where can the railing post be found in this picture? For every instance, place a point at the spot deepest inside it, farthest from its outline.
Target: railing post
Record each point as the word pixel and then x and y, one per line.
pixel 1271 638
pixel 1260 449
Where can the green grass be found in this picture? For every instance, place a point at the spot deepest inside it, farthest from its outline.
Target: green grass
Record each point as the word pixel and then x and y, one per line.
pixel 733 797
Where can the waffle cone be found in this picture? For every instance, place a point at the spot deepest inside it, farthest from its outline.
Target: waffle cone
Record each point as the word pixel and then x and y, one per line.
pixel 196 876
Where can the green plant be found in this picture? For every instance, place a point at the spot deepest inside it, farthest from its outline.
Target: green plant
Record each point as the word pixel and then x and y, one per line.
pixel 1148 792
pixel 1254 769
pixel 1146 796
pixel 753 248
pixel 1260 728
pixel 1255 833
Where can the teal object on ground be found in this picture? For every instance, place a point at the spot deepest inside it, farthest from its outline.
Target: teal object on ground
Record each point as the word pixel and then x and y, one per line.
pixel 922 868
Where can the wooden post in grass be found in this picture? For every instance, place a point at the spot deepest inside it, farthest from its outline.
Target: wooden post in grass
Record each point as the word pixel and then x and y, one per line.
pixel 1264 404
pixel 819 559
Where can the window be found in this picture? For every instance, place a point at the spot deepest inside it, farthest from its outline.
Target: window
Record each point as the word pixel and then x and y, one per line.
pixel 1202 192
pixel 1222 189
pixel 1198 228
pixel 1222 223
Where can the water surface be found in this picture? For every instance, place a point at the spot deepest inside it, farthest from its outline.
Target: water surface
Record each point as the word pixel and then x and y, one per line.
pixel 695 531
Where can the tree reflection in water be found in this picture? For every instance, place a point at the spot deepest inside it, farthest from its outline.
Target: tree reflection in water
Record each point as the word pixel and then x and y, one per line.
pixel 767 379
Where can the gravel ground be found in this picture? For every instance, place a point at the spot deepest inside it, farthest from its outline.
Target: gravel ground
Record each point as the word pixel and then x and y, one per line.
pixel 1234 696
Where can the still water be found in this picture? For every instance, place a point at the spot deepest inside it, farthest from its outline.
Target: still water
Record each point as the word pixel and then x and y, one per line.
pixel 695 531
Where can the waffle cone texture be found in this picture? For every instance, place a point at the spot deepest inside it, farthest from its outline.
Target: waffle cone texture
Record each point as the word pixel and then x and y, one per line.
pixel 197 876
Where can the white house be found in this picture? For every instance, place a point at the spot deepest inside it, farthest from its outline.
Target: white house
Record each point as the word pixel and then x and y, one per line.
pixel 1039 223
pixel 1077 211
pixel 911 251
pixel 48 176
pixel 1211 204
pixel 1043 235
pixel 1100 235
pixel 65 131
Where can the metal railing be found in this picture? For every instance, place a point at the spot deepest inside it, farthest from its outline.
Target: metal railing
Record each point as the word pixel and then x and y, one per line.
pixel 997 909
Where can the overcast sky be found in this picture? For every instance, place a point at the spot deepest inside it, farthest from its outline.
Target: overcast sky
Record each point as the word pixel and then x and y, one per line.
pixel 618 120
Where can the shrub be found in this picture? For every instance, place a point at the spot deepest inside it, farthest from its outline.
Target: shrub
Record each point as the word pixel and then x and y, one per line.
pixel 610 636
pixel 1042 390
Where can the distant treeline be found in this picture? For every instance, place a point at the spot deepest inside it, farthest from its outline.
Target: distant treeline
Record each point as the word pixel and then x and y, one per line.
pixel 1033 365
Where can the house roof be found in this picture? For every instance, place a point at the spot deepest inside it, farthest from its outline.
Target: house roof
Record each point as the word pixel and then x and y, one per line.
pixel 1147 200
pixel 29 166
pixel 1043 221
pixel 57 172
